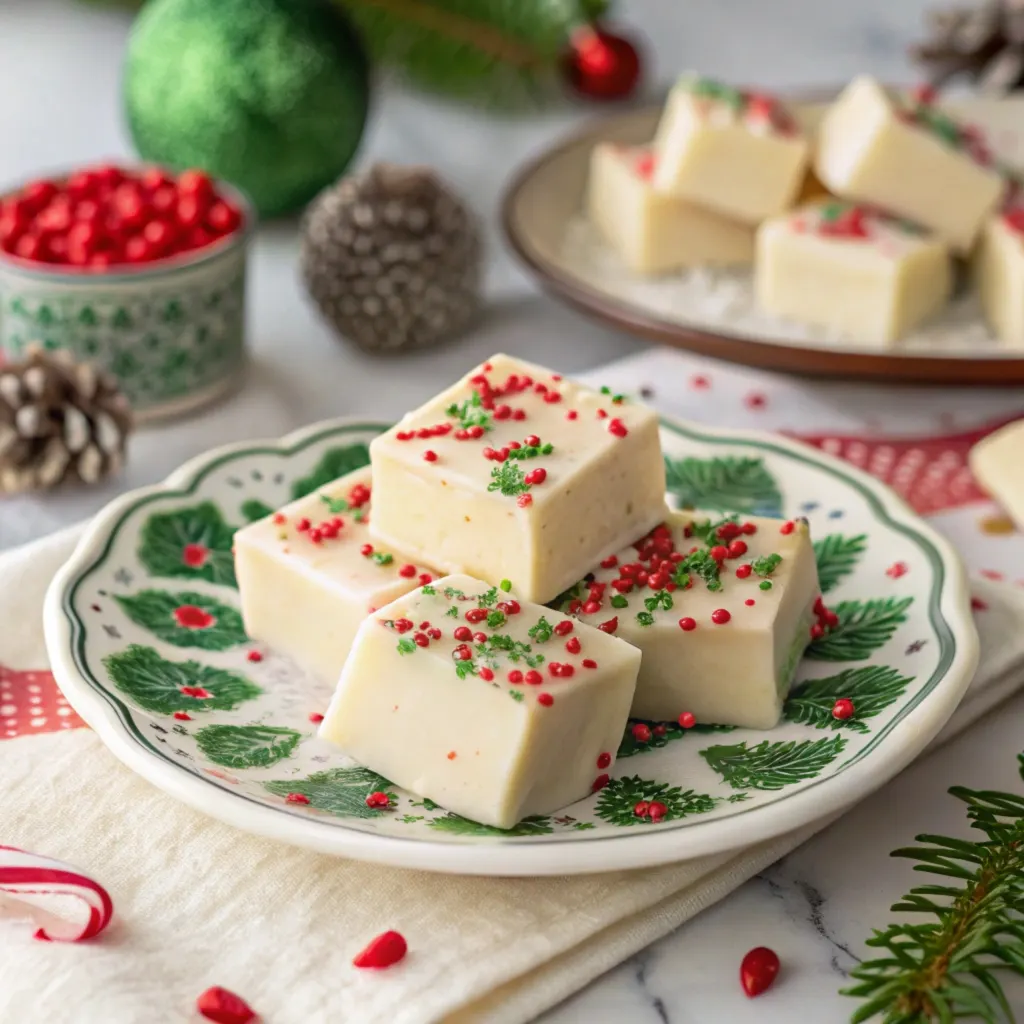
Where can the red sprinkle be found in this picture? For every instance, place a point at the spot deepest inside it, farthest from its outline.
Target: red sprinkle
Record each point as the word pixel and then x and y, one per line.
pixel 686 720
pixel 571 414
pixel 486 674
pixel 421 640
pixel 749 602
pixel 279 518
pixel 641 733
pixel 686 623
pixel 297 798
pixel 601 414
pixel 424 578
pixel 600 782
pixel 591 607
pixel 315 717
pixel 573 645
pixel 611 560
pixel 532 441
pixel 589 663
pixel 533 677
pixel 524 500
pixel 720 616
pixel 563 628
pixel 515 676
pixel 224 1007
pixel 843 709
pixel 787 527
pixel 758 970
pixel 429 456
pixel 737 548
pixel 617 427
pixel 366 550
pixel 463 633
pixel 817 631
pixel 476 615
pixel 378 799
pixel 743 571
pixel 408 571
pixel 718 552
pixel 302 525
pixel 545 699
pixel 610 626
pixel 536 476
pixel 182 716
pixel 383 951
pixel 603 760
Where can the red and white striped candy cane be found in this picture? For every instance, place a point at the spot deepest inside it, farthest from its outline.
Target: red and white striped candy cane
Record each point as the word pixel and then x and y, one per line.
pixel 28 874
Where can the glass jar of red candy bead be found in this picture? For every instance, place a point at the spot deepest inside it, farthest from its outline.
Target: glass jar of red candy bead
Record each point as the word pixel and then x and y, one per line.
pixel 135 269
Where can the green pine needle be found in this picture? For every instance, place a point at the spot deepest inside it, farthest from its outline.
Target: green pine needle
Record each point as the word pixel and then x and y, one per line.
pixel 949 967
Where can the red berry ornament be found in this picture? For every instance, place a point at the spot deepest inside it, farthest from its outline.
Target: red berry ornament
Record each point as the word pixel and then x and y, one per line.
pixel 602 65
pixel 383 951
pixel 224 1007
pixel 843 709
pixel 758 971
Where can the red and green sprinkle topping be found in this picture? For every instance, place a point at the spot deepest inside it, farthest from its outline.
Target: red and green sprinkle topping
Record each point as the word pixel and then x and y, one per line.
pixel 755 108
pixel 921 112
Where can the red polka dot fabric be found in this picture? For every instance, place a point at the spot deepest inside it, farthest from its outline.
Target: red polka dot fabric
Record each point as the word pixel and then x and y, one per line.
pixel 31 704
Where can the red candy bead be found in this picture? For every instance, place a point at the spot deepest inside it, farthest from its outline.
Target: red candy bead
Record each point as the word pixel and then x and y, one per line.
pixel 603 760
pixel 758 970
pixel 600 782
pixel 656 810
pixel 545 699
pixel 383 951
pixel 687 720
pixel 223 218
pixel 224 1007
pixel 686 623
pixel 720 616
pixel 737 549
pixel 641 733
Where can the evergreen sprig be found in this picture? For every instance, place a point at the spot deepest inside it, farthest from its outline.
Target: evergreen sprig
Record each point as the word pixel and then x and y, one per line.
pixel 949 967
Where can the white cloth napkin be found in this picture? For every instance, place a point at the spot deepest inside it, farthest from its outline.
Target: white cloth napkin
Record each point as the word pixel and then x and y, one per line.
pixel 200 904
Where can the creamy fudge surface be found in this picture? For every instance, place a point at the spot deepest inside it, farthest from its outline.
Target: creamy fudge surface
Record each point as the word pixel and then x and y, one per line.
pixel 652 231
pixel 999 273
pixel 515 472
pixel 739 153
pixel 997 465
pixel 907 156
pixel 837 264
pixel 310 573
pixel 493 707
pixel 722 610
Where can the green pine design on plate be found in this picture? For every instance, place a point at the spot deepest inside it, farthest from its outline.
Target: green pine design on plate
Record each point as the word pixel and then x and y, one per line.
pixel 333 463
pixel 837 557
pixel 456 825
pixel 617 800
pixel 194 543
pixel 667 731
pixel 253 510
pixel 863 627
pixel 770 765
pixel 338 791
pixel 871 688
pixel 163 686
pixel 247 746
pixel 186 619
pixel 729 483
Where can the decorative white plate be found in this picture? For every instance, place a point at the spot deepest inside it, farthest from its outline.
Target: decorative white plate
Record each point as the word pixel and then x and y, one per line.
pixel 146 609
pixel 713 311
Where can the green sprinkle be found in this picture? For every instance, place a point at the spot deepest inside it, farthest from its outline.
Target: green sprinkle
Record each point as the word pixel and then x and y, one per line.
pixel 496 619
pixel 505 585
pixel 429 590
pixel 359 515
pixel 406 646
pixel 381 559
pixel 470 413
pixel 465 668
pixel 661 599
pixel 334 505
pixel 530 451
pixel 606 391
pixel 508 479
pixel 488 598
pixel 618 601
pixel 645 618
pixel 516 695
pixel 766 565
pixel 541 632
pixel 765 584
pixel 453 612
pixel 452 592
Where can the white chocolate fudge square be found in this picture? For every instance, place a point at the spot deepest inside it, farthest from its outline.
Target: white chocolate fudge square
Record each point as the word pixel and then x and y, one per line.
pixel 999 273
pixel 309 574
pixel 910 159
pixel 738 153
pixel 867 277
pixel 721 609
pixel 652 231
pixel 997 463
pixel 516 473
pixel 493 707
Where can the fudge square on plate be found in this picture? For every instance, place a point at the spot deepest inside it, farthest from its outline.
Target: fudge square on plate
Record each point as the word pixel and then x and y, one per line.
pixel 736 152
pixel 999 272
pixel 652 231
pixel 491 706
pixel 910 159
pixel 722 610
pixel 309 574
pixel 516 473
pixel 836 265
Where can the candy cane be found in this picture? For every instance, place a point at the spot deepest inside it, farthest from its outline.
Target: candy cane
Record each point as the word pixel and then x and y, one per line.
pixel 28 874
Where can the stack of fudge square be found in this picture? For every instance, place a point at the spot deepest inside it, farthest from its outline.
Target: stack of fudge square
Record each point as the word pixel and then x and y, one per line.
pixel 504 586
pixel 855 228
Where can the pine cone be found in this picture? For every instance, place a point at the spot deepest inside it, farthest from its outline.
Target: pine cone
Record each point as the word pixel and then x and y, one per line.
pixel 59 420
pixel 984 43
pixel 392 258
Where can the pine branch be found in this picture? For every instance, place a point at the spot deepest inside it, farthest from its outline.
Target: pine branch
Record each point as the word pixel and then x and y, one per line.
pixel 949 967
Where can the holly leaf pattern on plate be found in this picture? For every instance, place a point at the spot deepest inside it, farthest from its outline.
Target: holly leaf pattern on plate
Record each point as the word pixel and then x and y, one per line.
pixel 728 483
pixel 770 765
pixel 335 462
pixel 338 791
pixel 667 732
pixel 872 689
pixel 455 824
pixel 163 686
pixel 254 510
pixel 247 746
pixel 617 800
pixel 191 543
pixel 185 619
pixel 863 627
pixel 837 557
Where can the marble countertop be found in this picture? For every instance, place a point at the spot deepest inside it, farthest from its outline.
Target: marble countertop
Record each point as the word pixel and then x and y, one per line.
pixel 59 68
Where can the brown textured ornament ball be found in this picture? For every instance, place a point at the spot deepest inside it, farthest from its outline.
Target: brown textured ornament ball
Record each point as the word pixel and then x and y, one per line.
pixel 393 259
pixel 59 420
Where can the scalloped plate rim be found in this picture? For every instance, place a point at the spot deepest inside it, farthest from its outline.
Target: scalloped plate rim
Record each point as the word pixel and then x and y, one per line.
pixel 906 738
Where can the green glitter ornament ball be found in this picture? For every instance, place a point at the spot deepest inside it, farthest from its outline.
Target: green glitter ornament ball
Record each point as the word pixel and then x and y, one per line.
pixel 270 95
